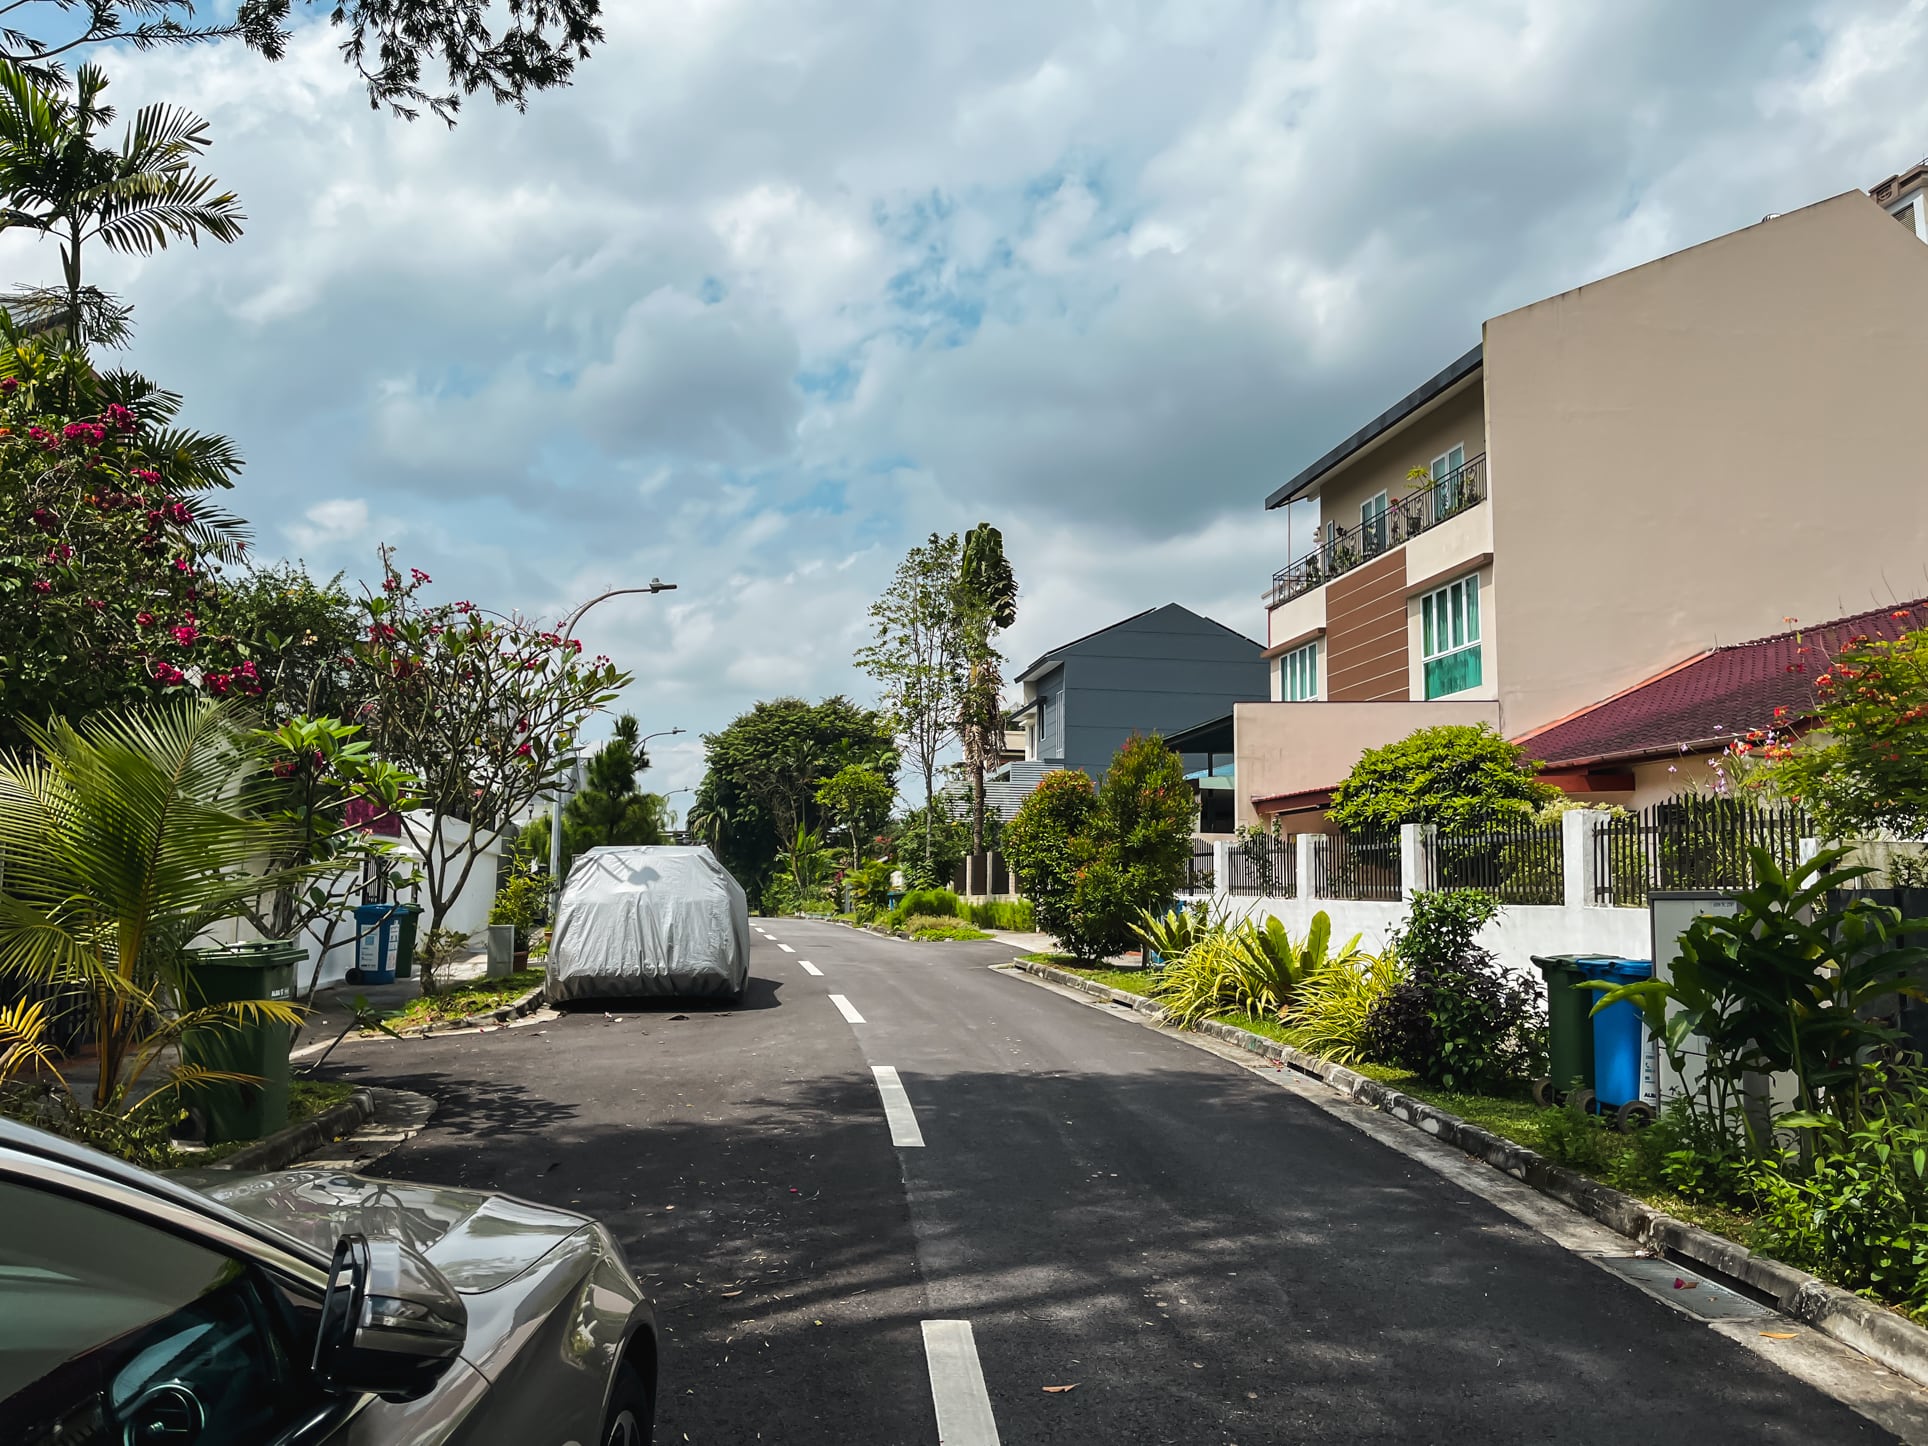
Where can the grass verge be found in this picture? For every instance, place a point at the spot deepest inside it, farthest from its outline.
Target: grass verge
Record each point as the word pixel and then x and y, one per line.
pixel 469 999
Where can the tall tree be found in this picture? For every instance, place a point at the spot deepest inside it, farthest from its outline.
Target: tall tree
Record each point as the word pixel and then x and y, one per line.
pixel 610 809
pixel 482 710
pixel 58 179
pixel 917 656
pixel 503 51
pixel 987 604
pixel 762 772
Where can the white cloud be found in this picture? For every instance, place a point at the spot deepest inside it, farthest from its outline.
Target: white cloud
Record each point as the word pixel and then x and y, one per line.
pixel 779 287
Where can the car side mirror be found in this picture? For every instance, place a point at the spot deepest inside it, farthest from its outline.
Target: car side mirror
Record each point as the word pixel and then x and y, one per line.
pixel 390 1323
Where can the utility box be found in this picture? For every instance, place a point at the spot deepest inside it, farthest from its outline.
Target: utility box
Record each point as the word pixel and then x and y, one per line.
pixel 501 950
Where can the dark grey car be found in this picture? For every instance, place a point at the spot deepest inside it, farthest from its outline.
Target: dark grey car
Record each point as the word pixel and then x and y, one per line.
pixel 305 1306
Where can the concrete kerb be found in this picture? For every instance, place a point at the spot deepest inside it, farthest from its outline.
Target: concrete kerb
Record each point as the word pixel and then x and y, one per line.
pixel 283 1147
pixel 526 1003
pixel 1881 1335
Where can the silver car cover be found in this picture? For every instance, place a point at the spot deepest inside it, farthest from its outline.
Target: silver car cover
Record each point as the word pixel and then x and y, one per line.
pixel 649 920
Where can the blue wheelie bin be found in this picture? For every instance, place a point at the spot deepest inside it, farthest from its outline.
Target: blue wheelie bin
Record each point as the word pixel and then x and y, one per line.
pixel 1619 1042
pixel 375 943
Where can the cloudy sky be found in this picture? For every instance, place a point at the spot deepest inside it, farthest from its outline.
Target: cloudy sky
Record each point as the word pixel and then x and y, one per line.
pixel 780 286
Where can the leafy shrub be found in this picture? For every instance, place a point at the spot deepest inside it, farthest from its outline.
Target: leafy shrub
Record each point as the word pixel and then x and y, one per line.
pixel 1328 1017
pixel 1459 777
pixel 1858 1211
pixel 927 901
pixel 1091 859
pixel 1576 1139
pixel 440 949
pixel 1014 916
pixel 1459 1020
pixel 1247 968
pixel 139 1135
pixel 1169 933
pixel 523 900
pixel 940 926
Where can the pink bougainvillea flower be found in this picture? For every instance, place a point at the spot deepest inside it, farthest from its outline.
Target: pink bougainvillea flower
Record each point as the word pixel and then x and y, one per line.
pixel 9 385
pixel 143 620
pixel 185 634
pixel 419 575
pixel 41 585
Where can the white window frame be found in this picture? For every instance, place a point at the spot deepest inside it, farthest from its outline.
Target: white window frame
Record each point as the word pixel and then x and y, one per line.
pixel 1373 523
pixel 1437 617
pixel 1440 475
pixel 1300 668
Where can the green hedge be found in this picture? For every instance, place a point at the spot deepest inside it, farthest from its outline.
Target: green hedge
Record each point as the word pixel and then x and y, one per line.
pixel 1013 915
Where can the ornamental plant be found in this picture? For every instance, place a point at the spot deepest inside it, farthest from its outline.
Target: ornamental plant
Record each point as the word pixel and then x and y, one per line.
pixel 1458 777
pixel 1092 861
pixel 482 710
pixel 1864 767
pixel 110 544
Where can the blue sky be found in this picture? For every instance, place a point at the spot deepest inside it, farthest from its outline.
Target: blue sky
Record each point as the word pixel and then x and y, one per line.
pixel 781 286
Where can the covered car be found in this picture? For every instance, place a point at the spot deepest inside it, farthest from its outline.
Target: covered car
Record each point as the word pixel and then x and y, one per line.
pixel 650 920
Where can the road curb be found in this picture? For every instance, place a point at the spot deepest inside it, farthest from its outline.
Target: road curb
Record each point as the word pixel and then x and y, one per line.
pixel 1878 1334
pixel 284 1147
pixel 526 1003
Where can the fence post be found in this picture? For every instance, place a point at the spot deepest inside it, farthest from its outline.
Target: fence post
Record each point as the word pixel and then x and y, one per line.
pixel 1806 849
pixel 1415 840
pixel 1305 863
pixel 1577 830
pixel 1221 870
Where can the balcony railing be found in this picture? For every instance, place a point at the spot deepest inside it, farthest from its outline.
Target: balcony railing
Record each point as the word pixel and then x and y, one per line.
pixel 1403 519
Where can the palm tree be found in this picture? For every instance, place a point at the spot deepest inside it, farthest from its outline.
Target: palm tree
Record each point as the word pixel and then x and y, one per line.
pixel 56 179
pixel 122 839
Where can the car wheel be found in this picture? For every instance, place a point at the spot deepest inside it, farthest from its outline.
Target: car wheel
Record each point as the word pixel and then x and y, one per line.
pixel 630 1414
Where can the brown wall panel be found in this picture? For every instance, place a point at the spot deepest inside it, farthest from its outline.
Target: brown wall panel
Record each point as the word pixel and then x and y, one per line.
pixel 1366 632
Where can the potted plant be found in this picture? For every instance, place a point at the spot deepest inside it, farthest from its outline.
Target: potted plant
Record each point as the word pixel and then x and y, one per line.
pixel 519 902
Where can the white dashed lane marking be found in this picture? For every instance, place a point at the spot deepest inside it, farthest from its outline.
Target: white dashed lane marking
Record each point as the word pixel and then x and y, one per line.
pixel 809 968
pixel 957 1385
pixel 845 1008
pixel 897 1110
pixel 786 948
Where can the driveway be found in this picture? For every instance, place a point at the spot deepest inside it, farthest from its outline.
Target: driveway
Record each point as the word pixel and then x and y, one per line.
pixel 1125 1239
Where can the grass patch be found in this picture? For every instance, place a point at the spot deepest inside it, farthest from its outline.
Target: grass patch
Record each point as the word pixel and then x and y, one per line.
pixel 478 998
pixel 1132 981
pixel 932 927
pixel 306 1099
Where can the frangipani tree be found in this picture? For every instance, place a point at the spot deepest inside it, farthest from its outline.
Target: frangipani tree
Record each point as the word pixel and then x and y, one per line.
pixel 481 710
pixel 122 838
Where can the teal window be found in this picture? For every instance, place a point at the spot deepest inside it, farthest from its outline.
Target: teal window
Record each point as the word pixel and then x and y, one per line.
pixel 1449 637
pixel 1299 674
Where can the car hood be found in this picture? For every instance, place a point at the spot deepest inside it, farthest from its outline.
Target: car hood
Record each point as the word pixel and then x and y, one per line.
pixel 478 1241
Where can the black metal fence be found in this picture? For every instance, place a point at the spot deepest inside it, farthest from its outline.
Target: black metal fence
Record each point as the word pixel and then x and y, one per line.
pixel 1264 866
pixel 1523 865
pixel 1692 842
pixel 1359 866
pixel 1406 517
pixel 1201 876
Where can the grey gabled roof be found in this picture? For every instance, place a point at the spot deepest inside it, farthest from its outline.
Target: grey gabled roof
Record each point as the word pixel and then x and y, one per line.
pixel 1427 390
pixel 1054 656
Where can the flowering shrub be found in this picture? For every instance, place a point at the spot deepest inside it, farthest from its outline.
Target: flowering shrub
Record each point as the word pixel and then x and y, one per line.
pixel 108 543
pixel 1864 769
pixel 481 710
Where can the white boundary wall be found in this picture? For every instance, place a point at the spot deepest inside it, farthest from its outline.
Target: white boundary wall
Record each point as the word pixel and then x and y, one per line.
pixel 1579 926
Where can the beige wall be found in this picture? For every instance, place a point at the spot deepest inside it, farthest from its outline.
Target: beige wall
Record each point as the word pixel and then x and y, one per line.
pixel 1689 452
pixel 1285 747
pixel 1458 419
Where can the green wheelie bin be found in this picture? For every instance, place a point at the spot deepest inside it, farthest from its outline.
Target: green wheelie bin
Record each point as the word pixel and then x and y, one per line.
pixel 407 917
pixel 1569 1031
pixel 232 1109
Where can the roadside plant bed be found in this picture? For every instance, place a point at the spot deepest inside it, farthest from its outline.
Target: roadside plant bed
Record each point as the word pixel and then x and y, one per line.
pixel 456 1005
pixel 306 1099
pixel 935 927
pixel 1884 1332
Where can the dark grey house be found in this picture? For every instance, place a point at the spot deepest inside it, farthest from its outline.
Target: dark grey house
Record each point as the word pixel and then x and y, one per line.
pixel 1160 671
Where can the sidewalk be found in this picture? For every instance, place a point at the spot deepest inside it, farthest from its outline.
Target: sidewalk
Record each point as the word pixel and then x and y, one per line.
pixel 334 1006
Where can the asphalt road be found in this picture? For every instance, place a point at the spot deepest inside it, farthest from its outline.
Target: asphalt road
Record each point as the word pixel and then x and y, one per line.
pixel 1202 1256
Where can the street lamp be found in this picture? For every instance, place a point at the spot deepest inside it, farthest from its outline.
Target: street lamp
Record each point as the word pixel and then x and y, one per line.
pixel 565 628
pixel 671 794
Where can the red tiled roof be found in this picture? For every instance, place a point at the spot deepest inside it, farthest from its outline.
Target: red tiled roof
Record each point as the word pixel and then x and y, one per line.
pixel 1706 700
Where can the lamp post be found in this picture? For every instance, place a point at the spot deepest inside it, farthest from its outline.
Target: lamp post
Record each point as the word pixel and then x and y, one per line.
pixel 565 628
pixel 671 794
